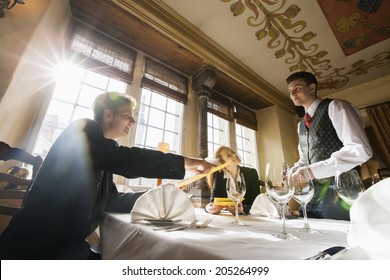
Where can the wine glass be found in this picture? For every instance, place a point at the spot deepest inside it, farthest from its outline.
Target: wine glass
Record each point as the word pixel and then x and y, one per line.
pixel 236 190
pixel 278 183
pixel 189 190
pixel 348 185
pixel 303 193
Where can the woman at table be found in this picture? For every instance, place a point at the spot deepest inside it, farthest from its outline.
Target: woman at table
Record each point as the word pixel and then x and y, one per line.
pixel 74 186
pixel 218 182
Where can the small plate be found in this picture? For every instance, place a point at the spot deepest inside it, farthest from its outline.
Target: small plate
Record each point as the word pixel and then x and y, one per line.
pixel 160 222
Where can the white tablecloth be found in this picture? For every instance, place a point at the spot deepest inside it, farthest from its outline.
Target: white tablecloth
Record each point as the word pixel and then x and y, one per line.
pixel 121 239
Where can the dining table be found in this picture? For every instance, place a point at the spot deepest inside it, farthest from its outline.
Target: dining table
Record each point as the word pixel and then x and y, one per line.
pixel 122 239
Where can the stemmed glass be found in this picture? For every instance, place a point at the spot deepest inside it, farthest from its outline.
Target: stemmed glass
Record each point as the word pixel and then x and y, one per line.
pixel 303 193
pixel 278 183
pixel 236 190
pixel 348 185
pixel 189 190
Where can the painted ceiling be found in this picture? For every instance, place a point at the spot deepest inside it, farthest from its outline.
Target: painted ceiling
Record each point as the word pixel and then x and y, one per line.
pixel 256 44
pixel 357 24
pixel 344 42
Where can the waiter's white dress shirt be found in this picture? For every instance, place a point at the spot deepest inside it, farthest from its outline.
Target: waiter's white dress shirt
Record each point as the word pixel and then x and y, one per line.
pixel 350 129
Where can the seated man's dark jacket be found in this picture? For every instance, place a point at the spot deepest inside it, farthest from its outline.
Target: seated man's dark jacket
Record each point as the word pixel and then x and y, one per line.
pixel 73 189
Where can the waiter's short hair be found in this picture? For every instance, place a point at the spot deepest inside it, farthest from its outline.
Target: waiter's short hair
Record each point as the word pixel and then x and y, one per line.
pixel 308 77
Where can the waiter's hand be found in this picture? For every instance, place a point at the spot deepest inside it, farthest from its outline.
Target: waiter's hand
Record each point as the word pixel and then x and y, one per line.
pixel 301 169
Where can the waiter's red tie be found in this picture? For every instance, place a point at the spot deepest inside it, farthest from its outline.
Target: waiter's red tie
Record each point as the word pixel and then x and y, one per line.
pixel 307 119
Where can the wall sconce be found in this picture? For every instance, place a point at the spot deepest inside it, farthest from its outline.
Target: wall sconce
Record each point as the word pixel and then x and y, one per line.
pixel 6 4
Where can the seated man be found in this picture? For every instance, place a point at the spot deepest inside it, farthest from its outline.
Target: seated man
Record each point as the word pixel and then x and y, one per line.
pixel 74 186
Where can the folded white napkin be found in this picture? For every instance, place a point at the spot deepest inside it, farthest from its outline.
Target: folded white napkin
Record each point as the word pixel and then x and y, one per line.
pixel 369 236
pixel 264 206
pixel 164 202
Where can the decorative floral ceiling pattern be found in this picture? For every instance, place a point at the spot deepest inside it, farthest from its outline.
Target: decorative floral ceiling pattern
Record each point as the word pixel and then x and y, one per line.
pixel 274 23
pixel 357 24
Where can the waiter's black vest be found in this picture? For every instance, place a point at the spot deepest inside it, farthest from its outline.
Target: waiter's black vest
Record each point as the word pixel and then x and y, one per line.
pixel 321 140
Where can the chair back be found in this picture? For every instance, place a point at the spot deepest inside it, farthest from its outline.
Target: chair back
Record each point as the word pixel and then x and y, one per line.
pixel 383 173
pixel 17 184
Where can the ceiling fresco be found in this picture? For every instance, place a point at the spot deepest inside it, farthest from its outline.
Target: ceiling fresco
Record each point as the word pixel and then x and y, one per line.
pixel 275 24
pixel 357 24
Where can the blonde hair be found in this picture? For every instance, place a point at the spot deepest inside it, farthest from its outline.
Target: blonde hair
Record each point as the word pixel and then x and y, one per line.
pixel 218 153
pixel 218 157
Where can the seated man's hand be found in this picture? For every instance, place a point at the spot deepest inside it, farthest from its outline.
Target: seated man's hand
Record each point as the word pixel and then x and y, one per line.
pixel 213 209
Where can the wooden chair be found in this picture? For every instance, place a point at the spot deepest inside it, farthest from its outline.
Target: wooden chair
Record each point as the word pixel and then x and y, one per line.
pixel 383 173
pixel 22 184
